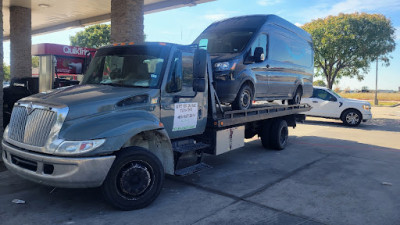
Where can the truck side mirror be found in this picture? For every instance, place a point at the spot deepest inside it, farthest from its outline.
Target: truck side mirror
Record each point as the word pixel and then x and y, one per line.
pixel 199 85
pixel 200 63
pixel 259 55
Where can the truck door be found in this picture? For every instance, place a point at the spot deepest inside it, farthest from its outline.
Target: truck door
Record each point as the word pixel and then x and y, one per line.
pixel 183 111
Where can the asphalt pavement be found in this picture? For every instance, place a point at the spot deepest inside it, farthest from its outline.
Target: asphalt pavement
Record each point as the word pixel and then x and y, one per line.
pixel 328 174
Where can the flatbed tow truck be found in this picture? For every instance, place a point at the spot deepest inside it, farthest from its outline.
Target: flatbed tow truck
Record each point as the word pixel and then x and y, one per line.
pixel 123 135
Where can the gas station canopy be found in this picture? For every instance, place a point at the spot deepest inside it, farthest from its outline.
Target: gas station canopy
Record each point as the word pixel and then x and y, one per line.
pixel 53 15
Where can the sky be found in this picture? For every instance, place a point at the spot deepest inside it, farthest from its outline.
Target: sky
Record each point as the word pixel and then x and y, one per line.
pixel 183 25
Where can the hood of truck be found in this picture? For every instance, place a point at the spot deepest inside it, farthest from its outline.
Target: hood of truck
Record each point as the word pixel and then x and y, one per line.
pixel 355 101
pixel 84 100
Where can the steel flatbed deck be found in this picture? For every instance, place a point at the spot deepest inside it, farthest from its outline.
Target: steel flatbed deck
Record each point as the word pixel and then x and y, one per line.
pixel 237 117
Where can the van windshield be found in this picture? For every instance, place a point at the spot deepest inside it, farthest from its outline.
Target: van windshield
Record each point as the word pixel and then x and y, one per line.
pixel 224 41
pixel 133 66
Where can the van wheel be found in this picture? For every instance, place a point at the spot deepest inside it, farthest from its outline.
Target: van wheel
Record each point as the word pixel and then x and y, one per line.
pixel 279 134
pixel 244 99
pixel 351 118
pixel 134 180
pixel 296 98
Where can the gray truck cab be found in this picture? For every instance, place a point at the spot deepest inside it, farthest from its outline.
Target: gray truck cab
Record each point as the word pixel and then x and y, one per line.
pixel 133 97
pixel 259 57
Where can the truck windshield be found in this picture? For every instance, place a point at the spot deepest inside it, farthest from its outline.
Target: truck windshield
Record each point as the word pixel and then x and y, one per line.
pixel 224 41
pixel 127 66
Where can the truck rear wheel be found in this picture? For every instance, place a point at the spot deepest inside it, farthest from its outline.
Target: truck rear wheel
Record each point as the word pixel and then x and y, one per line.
pixel 134 180
pixel 279 134
pixel 265 134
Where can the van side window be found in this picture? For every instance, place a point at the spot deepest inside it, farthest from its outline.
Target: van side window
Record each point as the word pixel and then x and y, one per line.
pixel 261 41
pixel 291 50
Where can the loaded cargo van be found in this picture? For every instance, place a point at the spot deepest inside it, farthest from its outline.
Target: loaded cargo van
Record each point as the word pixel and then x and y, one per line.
pixel 259 57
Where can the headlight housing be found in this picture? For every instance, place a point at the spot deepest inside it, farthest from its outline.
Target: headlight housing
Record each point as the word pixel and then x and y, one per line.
pixel 225 66
pixel 367 107
pixel 78 147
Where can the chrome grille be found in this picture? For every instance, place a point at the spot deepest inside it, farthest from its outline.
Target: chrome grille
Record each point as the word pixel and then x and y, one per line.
pixel 32 129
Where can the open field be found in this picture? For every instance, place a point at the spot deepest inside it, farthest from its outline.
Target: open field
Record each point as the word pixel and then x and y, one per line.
pixel 371 96
pixel 385 99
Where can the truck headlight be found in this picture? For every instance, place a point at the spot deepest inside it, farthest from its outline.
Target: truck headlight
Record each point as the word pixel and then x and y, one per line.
pixel 225 66
pixel 366 107
pixel 78 147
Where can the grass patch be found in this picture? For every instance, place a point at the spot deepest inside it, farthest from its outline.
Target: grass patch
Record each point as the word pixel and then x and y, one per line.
pixel 392 97
pixel 383 103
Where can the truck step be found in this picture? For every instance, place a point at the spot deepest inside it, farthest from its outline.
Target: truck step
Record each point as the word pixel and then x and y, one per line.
pixel 192 169
pixel 190 147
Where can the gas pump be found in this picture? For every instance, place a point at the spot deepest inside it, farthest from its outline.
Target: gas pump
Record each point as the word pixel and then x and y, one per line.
pixel 59 66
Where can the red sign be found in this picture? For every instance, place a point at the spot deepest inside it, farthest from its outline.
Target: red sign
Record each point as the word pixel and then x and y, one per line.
pixel 70 59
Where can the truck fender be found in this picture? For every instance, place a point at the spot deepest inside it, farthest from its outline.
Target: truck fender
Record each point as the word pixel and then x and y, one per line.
pixel 158 143
pixel 124 129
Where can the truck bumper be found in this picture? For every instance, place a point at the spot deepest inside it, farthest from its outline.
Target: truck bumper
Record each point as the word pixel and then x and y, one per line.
pixel 57 171
pixel 366 117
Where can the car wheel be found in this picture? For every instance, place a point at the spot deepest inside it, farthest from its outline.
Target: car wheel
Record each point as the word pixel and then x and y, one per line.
pixel 296 98
pixel 244 98
pixel 351 118
pixel 134 180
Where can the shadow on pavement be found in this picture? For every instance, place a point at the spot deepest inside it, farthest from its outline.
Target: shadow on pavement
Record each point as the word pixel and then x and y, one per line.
pixel 213 194
pixel 380 124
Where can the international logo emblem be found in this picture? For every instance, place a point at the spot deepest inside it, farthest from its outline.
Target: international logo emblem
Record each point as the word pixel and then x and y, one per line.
pixel 29 108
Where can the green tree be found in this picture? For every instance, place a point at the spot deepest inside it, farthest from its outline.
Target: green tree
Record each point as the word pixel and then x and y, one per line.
pixel 345 45
pixel 35 61
pixel 319 83
pixel 6 72
pixel 92 37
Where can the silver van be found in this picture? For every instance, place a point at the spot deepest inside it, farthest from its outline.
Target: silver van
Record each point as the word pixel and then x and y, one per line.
pixel 259 57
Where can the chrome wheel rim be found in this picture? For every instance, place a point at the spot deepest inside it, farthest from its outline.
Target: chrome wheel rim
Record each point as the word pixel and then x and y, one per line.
pixel 245 99
pixel 352 118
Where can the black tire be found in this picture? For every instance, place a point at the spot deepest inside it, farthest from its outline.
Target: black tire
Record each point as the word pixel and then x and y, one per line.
pixel 351 117
pixel 134 180
pixel 265 134
pixel 279 134
pixel 244 98
pixel 296 98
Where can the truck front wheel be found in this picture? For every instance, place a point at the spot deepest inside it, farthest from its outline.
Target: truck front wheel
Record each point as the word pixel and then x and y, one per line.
pixel 244 98
pixel 134 180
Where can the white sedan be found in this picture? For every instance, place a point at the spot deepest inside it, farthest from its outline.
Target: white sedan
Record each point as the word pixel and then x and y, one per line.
pixel 328 104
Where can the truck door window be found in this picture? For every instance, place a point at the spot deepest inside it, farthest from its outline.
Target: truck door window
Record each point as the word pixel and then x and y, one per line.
pixel 174 81
pixel 180 78
pixel 187 72
pixel 261 41
pixel 322 94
